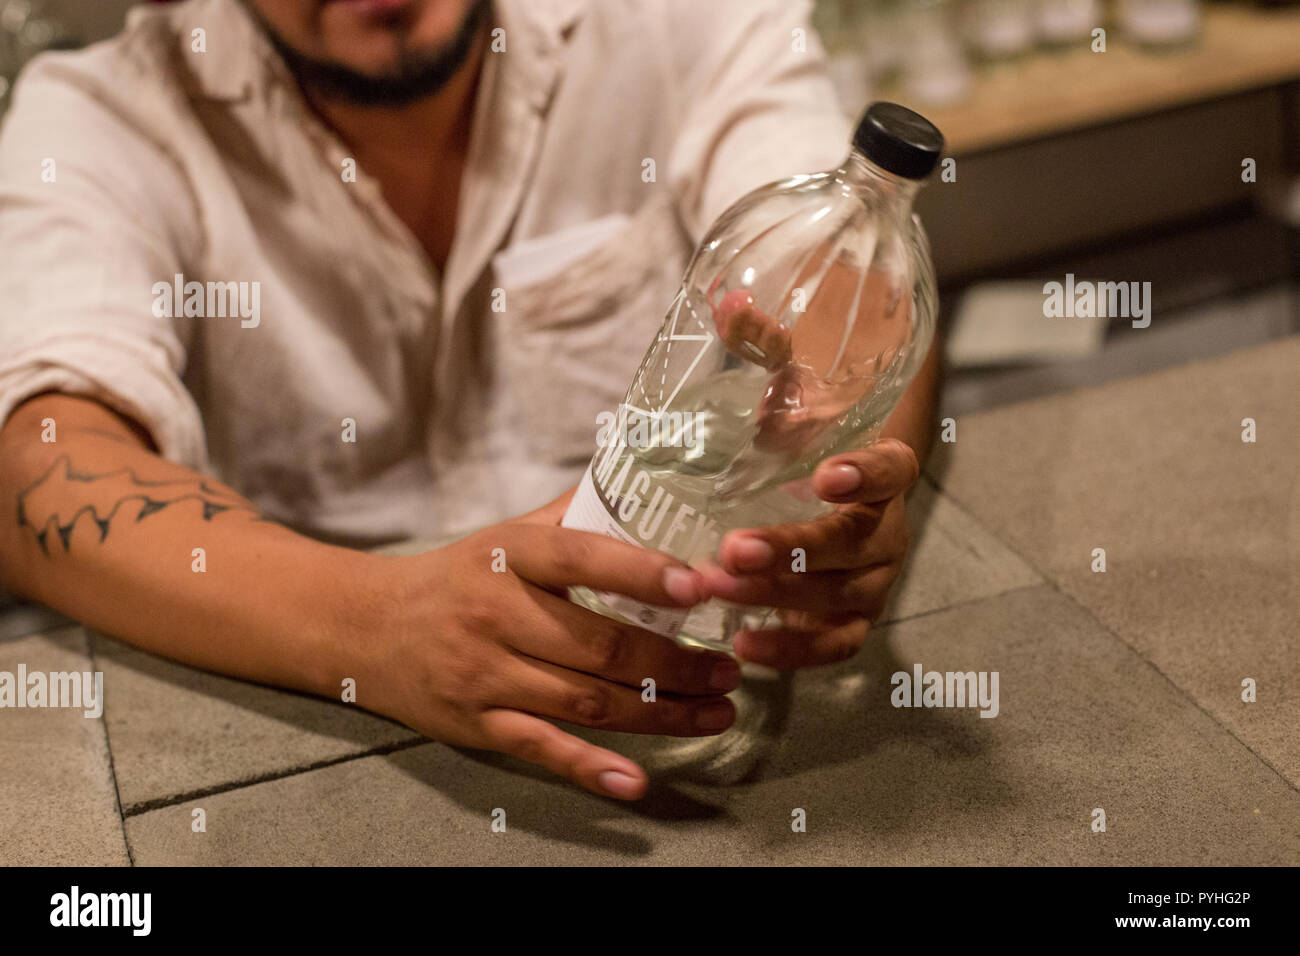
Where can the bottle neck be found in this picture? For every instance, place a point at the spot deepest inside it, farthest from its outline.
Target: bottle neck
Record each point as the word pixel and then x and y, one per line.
pixel 860 172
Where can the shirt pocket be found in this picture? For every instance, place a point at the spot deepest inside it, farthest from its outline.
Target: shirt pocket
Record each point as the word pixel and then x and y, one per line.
pixel 572 341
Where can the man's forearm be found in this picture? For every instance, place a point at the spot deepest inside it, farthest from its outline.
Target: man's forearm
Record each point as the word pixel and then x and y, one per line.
pixel 97 526
pixel 913 419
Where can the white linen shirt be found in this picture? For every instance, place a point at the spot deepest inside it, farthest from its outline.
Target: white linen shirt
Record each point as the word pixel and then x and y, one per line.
pixel 167 161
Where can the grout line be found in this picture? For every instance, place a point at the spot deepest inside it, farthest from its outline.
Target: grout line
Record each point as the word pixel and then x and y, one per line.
pixel 108 746
pixel 1052 582
pixel 957 604
pixel 159 803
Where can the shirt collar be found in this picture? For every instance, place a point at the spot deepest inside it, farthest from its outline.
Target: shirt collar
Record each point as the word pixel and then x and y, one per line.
pixel 238 58
pixel 541 28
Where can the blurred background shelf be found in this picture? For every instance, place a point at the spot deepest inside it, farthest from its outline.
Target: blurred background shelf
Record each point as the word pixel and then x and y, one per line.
pixel 1123 165
pixel 1240 49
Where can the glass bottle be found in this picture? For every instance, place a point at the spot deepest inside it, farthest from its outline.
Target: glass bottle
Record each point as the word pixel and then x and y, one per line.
pixel 802 318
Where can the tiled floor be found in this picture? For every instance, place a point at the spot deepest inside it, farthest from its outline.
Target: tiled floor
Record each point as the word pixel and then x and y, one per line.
pixel 177 731
pixel 1201 530
pixel 1085 723
pixel 1118 691
pixel 57 800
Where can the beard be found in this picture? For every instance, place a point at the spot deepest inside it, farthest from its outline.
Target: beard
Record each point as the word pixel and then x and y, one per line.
pixel 415 75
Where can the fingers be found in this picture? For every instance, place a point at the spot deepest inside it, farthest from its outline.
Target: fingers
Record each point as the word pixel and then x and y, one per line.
pixel 573 637
pixel 886 469
pixel 825 593
pixel 551 691
pixel 845 538
pixel 868 485
pixel 789 648
pixel 557 558
pixel 749 334
pixel 534 740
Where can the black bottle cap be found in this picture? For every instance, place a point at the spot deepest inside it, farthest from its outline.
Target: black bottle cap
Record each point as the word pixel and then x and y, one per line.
pixel 898 140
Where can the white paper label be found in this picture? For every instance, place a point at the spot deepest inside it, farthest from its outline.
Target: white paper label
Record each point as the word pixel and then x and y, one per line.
pixel 587 512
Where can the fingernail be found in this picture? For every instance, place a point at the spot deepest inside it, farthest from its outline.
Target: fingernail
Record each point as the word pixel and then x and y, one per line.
pixel 618 784
pixel 715 717
pixel 751 554
pixel 682 586
pixel 725 676
pixel 842 479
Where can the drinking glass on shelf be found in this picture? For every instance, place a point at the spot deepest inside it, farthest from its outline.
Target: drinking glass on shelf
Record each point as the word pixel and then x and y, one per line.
pixel 1000 29
pixel 1160 23
pixel 1067 22
pixel 934 69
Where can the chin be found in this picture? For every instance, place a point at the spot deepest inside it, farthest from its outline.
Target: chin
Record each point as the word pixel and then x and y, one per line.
pixel 370 36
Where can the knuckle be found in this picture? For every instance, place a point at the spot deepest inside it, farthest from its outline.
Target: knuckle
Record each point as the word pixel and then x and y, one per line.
pixel 875 470
pixel 467 679
pixel 590 706
pixel 893 462
pixel 858 524
pixel 847 528
pixel 609 648
pixel 478 616
pixel 861 594
pixel 529 745
pixel 569 554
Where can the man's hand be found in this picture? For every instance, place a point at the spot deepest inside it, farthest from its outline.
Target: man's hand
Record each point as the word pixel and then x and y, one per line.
pixel 853 556
pixel 475 657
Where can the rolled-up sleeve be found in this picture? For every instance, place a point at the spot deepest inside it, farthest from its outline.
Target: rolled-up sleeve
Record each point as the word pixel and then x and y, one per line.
pixel 756 102
pixel 93 215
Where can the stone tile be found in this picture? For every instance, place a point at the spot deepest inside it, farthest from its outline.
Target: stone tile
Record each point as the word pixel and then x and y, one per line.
pixel 175 730
pixel 952 559
pixel 58 806
pixel 1084 722
pixel 1201 530
pixel 20 620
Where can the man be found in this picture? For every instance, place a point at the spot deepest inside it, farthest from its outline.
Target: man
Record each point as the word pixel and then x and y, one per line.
pixel 296 274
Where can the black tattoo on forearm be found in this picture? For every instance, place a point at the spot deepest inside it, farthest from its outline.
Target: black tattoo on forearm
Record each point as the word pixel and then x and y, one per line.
pixel 61 496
